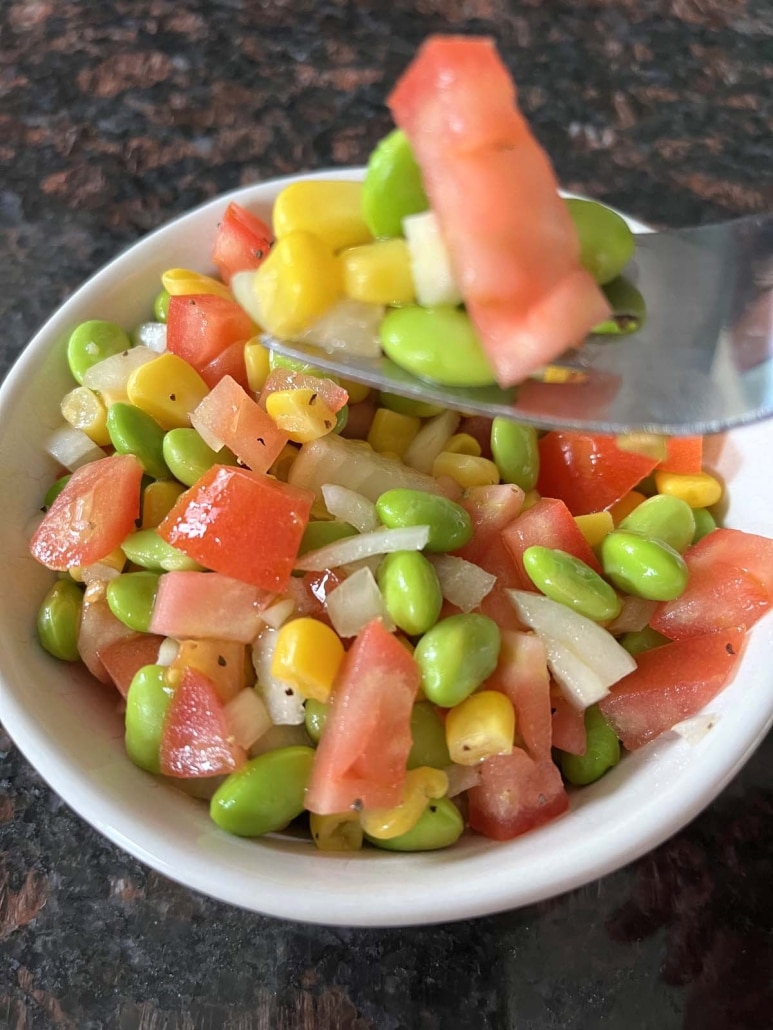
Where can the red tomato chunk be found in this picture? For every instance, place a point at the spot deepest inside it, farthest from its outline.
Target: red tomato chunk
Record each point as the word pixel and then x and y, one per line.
pixel 208 605
pixel 230 414
pixel 242 242
pixel 200 326
pixel 516 794
pixel 195 739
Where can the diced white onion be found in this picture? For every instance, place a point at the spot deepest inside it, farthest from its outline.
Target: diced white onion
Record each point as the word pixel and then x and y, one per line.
pixel 355 603
pixel 72 448
pixel 280 736
pixel 462 582
pixel 635 614
pixel 152 335
pixel 284 704
pixel 99 570
pixel 242 287
pixel 350 326
pixel 461 778
pixel 167 651
pixel 351 506
pixel 354 548
pixel 111 374
pixel 247 717
pixel 694 729
pixel 433 277
pixel 278 613
pixel 430 440
pixel 202 428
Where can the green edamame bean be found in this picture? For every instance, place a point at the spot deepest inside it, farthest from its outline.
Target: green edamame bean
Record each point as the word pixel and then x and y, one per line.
pixel 188 457
pixel 54 490
pixel 316 713
pixel 438 343
pixel 456 656
pixel 515 452
pixel 133 431
pixel 265 795
pixel 642 566
pixel 665 518
pixel 59 617
pixel 393 186
pixel 602 751
pixel 92 342
pixel 440 826
pixel 146 704
pixel 450 525
pixel 409 406
pixel 566 579
pixel 342 419
pixel 636 641
pixel 161 306
pixel 705 523
pixel 131 597
pixel 428 736
pixel 606 242
pixel 150 551
pixel 320 534
pixel 411 591
pixel 628 309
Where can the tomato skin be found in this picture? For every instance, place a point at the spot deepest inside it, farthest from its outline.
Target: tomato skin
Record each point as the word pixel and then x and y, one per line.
pixel 195 740
pixel 588 471
pixel 92 515
pixel 242 242
pixel 362 754
pixel 200 326
pixel 220 523
pixel 515 794
pixel 684 454
pixel 671 683
pixel 548 523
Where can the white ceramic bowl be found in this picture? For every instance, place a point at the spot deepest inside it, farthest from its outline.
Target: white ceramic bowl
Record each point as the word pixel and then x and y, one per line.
pixel 69 728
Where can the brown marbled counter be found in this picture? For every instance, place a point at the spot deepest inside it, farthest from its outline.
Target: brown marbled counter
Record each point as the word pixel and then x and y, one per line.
pixel 114 117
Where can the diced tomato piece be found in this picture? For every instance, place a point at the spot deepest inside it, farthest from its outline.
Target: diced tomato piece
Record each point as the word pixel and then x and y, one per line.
pixel 522 674
pixel 684 454
pixel 123 657
pixel 230 414
pixel 519 268
pixel 569 732
pixel 208 605
pixel 242 524
pixel 587 471
pixel 362 754
pixel 548 523
pixel 195 740
pixel 94 513
pixel 242 242
pixel 229 362
pixel 98 629
pixel 199 327
pixel 730 584
pixel 515 794
pixel 330 392
pixel 479 428
pixel 671 683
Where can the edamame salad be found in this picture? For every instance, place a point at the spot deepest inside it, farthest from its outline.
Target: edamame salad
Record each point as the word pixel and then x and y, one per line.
pixel 362 616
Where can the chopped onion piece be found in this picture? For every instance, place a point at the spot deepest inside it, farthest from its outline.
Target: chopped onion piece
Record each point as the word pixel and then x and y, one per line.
pixel 430 440
pixel 206 434
pixel 351 326
pixel 284 705
pixel 694 729
pixel 72 448
pixel 152 335
pixel 167 651
pixel 247 717
pixel 350 506
pixel 430 260
pixel 635 614
pixel 462 582
pixel 461 778
pixel 277 614
pixel 242 287
pixel 112 374
pixel 281 736
pixel 354 548
pixel 99 570
pixel 355 603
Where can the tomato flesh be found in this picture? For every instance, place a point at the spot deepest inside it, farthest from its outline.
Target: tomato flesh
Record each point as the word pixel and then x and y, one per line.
pixel 522 674
pixel 242 242
pixel 515 794
pixel 208 605
pixel 195 740
pixel 200 326
pixel 230 414
pixel 548 523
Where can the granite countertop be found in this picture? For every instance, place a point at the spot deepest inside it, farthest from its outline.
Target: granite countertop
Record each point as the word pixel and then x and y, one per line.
pixel 119 115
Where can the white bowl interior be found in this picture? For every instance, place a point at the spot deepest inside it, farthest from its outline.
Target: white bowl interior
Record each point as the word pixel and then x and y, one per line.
pixel 69 728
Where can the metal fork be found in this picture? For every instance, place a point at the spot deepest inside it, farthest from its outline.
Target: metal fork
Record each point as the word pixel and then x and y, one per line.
pixel 702 362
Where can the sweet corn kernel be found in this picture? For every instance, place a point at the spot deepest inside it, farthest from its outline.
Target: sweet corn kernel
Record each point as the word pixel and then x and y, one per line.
pixel 559 374
pixel 256 362
pixel 379 273
pixel 302 414
pixel 223 662
pixel 481 726
pixel 299 280
pixel 421 785
pixel 699 491
pixel 179 282
pixel 620 509
pixel 85 410
pixel 652 445
pixel 393 432
pixel 463 443
pixel 358 392
pixel 594 527
pixel 115 560
pixel 281 467
pixel 341 831
pixel 168 389
pixel 307 656
pixel 157 501
pixel 530 499
pixel 466 469
pixel 330 209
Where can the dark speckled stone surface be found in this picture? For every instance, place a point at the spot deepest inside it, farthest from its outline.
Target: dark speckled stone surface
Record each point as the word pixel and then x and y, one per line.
pixel 116 116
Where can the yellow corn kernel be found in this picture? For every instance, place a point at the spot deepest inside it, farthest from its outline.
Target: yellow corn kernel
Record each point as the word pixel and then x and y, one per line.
pixel 622 508
pixel 463 443
pixel 530 499
pixel 379 273
pixel 85 410
pixel 466 469
pixel 307 656
pixel 594 527
pixel 481 726
pixel 168 389
pixel 358 392
pixel 559 374
pixel 421 785
pixel 296 284
pixel 115 560
pixel 179 282
pixel 699 490
pixel 302 414
pixel 652 445
pixel 221 661
pixel 338 832
pixel 157 501
pixel 393 432
pixel 256 362
pixel 281 467
pixel 331 209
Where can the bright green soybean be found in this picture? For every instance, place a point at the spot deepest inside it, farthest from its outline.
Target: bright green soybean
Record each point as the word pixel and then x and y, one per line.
pixel 342 418
pixel 188 457
pixel 566 579
pixel 148 550
pixel 54 490
pixel 602 751
pixel 440 826
pixel 409 406
pixel 92 342
pixel 320 534
pixel 131 597
pixel 705 523
pixel 161 305
pixel 666 518
pixel 265 795
pixel 133 431
pixel 643 566
pixel 438 343
pixel 456 656
pixel 450 526
pixel 411 591
pixel 315 717
pixel 637 641
pixel 392 187
pixel 515 452
pixel 628 309
pixel 428 736
pixel 146 705
pixel 606 242
pixel 59 618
